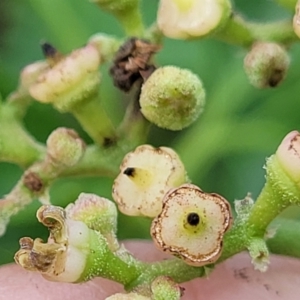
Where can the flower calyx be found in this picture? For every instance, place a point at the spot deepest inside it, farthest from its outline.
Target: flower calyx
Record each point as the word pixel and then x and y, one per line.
pixel 191 225
pixel 147 174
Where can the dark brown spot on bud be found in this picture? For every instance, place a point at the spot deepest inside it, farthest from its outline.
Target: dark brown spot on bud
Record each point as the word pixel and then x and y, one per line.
pixel 33 182
pixel 129 172
pixel 193 219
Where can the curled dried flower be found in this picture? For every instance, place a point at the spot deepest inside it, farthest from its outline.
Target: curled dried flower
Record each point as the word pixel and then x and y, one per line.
pixel 64 257
pixel 192 224
pixel 133 62
pixel 146 175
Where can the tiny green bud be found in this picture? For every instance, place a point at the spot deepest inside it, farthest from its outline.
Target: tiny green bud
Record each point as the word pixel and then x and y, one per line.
pixel 69 81
pixel 191 225
pixel 147 174
pixel 266 64
pixel 183 19
pixel 97 213
pixel 65 147
pixel 172 98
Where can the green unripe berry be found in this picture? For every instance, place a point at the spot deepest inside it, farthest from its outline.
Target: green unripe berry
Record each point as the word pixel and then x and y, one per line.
pixel 172 98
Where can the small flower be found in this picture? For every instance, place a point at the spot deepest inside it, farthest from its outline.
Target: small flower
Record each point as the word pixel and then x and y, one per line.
pixel 65 147
pixel 288 155
pixel 266 64
pixel 146 175
pixel 172 98
pixel 69 80
pixel 183 19
pixel 192 224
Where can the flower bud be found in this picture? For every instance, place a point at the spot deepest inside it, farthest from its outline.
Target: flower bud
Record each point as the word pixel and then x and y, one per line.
pixel 266 64
pixel 65 255
pixel 97 213
pixel 146 175
pixel 72 79
pixel 296 19
pixel 183 19
pixel 65 147
pixel 192 224
pixel 288 156
pixel 172 98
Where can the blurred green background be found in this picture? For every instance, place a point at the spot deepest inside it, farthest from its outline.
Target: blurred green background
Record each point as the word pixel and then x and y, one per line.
pixel 224 151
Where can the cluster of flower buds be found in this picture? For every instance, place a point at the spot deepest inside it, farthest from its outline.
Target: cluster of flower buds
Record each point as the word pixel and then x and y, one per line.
pixel 188 223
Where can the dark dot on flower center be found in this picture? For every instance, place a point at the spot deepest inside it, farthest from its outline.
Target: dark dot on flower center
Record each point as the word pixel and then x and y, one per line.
pixel 193 219
pixel 129 172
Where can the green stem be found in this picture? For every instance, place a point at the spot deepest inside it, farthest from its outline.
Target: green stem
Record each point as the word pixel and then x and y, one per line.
pixel 94 120
pixel 97 161
pixel 16 145
pixel 131 21
pixel 236 31
pixel 106 264
pixel 278 193
pixel 240 32
pixel 134 127
pixel 178 270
